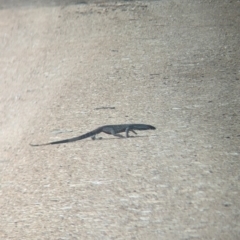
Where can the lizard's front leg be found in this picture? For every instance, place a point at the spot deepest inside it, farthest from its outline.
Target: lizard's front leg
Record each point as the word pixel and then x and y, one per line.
pixel 127 131
pixel 134 131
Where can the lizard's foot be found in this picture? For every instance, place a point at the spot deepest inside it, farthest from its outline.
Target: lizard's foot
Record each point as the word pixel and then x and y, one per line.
pixel 96 138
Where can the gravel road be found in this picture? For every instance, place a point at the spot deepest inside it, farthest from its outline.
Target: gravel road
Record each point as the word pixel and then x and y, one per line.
pixel 67 69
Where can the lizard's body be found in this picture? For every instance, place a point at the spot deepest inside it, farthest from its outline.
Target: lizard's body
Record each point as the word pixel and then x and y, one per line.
pixel 109 129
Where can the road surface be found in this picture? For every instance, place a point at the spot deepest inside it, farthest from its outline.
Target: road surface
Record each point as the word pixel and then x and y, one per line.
pixel 67 69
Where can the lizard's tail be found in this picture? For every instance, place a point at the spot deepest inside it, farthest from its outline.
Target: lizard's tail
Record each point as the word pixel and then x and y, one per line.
pixel 89 134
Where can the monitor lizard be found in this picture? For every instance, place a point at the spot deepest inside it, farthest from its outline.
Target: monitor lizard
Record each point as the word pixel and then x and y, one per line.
pixel 109 129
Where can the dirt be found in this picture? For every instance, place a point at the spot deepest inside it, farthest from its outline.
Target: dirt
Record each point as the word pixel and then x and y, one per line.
pixel 69 68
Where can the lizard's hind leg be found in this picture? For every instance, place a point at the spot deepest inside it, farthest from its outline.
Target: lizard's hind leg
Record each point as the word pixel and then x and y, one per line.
pixel 94 138
pixel 116 134
pixel 119 135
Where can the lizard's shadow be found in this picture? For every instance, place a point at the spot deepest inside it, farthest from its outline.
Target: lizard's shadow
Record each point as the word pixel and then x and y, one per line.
pixel 119 138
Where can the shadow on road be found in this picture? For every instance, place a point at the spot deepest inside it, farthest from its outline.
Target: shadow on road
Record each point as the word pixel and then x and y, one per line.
pixel 97 139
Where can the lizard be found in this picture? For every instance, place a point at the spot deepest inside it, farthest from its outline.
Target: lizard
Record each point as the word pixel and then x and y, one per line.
pixel 108 129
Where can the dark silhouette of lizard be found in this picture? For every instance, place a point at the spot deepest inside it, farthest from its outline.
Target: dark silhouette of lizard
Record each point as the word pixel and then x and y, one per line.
pixel 109 129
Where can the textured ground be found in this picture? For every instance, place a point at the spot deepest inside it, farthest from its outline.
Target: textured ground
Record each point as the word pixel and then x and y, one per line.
pixel 172 64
